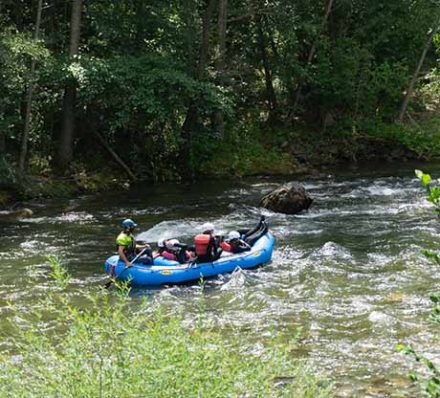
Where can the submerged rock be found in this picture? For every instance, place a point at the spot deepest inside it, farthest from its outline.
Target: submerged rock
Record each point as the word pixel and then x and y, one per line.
pixel 11 215
pixel 289 198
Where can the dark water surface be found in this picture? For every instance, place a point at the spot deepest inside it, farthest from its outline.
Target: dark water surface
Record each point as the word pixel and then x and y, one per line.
pixel 348 273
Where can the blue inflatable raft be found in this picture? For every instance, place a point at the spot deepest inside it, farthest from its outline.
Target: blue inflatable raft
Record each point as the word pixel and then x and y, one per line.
pixel 165 271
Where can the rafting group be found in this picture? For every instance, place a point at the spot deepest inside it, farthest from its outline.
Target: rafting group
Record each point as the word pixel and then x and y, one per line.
pixel 175 262
pixel 207 245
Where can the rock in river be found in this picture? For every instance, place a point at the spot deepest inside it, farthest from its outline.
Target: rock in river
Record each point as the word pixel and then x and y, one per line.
pixel 13 215
pixel 289 198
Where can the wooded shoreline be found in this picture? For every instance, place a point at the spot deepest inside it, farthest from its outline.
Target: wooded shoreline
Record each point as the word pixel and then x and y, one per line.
pixel 97 95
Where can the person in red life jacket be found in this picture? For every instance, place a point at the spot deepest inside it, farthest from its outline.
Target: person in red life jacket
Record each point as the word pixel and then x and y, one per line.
pixel 172 249
pixel 127 246
pixel 233 244
pixel 207 244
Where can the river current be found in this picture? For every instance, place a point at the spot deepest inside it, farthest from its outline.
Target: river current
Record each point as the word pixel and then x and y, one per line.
pixel 347 276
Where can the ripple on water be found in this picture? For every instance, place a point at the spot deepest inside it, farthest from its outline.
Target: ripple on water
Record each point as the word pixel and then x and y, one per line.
pixel 80 217
pixel 331 250
pixel 380 318
pixel 349 271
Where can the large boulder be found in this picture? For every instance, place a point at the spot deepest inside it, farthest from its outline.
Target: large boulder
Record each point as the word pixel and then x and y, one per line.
pixel 289 198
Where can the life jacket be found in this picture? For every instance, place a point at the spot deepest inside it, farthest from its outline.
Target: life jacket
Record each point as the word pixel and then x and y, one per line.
pixel 128 242
pixel 168 255
pixel 226 246
pixel 201 243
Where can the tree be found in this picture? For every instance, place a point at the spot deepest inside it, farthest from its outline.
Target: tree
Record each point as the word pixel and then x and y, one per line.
pixel 410 89
pixel 29 95
pixel 218 119
pixel 313 51
pixel 65 147
pixel 270 91
pixel 189 124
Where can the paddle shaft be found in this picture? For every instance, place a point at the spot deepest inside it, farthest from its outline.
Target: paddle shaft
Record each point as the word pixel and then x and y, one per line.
pixel 108 284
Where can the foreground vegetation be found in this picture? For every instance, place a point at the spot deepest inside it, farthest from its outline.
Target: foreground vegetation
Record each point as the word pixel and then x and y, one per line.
pixel 429 377
pixel 181 89
pixel 114 347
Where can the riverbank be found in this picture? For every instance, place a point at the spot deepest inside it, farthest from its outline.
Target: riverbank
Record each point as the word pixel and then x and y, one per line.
pixel 277 152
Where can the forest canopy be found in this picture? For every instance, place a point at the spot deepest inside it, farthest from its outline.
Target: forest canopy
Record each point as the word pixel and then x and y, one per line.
pixel 180 89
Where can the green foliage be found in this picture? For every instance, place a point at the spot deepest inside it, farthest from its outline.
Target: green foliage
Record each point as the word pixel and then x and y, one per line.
pixel 430 384
pixel 8 174
pixel 425 179
pixel 59 274
pixel 433 192
pixel 16 52
pixel 94 181
pixel 435 316
pixel 4 198
pixel 118 348
pixel 335 78
pixel 147 100
pixel 431 255
pixel 241 154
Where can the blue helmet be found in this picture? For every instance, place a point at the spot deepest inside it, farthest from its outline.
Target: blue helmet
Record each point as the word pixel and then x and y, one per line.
pixel 129 223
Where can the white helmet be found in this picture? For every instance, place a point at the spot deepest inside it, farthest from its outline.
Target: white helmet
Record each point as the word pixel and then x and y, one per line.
pixel 172 242
pixel 207 227
pixel 161 243
pixel 233 235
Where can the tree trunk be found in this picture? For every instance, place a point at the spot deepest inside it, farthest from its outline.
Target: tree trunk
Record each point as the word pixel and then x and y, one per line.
pixel 312 52
pixel 270 92
pixel 204 46
pixel 218 119
pixel 29 94
pixel 65 149
pixel 192 113
pixel 115 156
pixel 412 83
pixel 190 35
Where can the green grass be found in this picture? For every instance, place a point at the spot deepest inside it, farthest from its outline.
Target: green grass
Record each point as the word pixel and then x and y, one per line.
pixel 421 136
pixel 115 347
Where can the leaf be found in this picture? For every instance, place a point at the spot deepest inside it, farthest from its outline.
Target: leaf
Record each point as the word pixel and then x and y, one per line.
pixel 400 347
pixel 424 178
pixel 431 255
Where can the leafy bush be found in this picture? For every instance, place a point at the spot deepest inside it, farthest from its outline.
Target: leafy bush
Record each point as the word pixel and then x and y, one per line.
pixel 117 348
pixel 430 383
pixel 242 152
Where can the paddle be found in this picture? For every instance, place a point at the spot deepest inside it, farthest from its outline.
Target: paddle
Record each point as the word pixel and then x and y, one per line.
pixel 110 282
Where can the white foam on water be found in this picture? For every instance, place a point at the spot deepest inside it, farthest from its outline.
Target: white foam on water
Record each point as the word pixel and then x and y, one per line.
pixel 237 280
pixel 80 217
pixel 173 228
pixel 380 318
pixel 149 211
pixel 359 305
pixel 287 253
pixel 33 245
pixel 331 249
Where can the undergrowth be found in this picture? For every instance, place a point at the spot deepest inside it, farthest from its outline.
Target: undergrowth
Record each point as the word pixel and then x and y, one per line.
pixel 115 347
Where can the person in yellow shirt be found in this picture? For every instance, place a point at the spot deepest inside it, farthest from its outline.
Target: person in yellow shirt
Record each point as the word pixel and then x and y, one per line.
pixel 126 244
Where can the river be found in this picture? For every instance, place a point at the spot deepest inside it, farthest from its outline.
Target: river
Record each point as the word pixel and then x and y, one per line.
pixel 348 274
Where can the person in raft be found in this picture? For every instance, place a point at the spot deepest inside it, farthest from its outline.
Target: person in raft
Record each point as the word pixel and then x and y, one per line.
pixel 242 240
pixel 127 246
pixel 234 243
pixel 252 235
pixel 207 244
pixel 172 249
